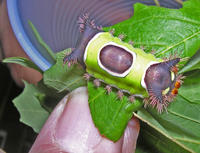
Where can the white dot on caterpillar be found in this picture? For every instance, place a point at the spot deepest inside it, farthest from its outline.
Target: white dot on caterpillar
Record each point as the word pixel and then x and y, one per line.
pixel 120 94
pixel 97 82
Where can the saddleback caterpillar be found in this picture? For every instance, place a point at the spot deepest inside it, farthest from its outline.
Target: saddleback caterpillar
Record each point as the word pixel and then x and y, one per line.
pixel 118 64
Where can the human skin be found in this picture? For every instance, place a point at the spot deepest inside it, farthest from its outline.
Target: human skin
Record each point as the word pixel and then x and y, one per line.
pixel 11 48
pixel 70 127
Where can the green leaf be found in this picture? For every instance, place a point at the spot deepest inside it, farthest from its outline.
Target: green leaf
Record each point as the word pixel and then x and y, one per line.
pixel 22 61
pixel 48 97
pixel 110 115
pixel 64 78
pixel 192 64
pixel 28 105
pixel 167 31
pixel 151 141
pixel 182 122
pixel 191 87
pixel 35 103
pixel 41 41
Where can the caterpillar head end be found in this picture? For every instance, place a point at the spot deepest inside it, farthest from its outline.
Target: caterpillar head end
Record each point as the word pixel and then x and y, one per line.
pixel 162 82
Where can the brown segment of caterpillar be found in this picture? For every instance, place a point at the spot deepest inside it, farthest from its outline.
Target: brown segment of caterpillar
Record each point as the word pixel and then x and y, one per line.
pixel 162 93
pixel 115 59
pixel 88 29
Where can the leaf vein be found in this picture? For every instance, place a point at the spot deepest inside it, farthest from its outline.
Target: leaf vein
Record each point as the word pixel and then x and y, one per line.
pixel 178 43
pixel 95 97
pixel 182 116
pixel 67 85
pixel 163 17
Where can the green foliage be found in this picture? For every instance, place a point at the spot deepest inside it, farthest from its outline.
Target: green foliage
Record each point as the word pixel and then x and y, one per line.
pixel 22 61
pixel 110 114
pixel 182 122
pixel 28 105
pixel 192 64
pixel 190 89
pixel 41 41
pixel 36 101
pixel 64 78
pixel 167 31
pixel 151 141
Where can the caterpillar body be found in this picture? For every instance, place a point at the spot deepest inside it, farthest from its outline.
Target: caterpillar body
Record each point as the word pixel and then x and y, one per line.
pixel 119 64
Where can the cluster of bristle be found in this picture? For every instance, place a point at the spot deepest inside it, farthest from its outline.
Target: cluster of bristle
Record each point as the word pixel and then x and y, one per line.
pixel 123 36
pixel 153 100
pixel 70 60
pixel 108 88
pixel 120 36
pixel 175 55
pixel 85 20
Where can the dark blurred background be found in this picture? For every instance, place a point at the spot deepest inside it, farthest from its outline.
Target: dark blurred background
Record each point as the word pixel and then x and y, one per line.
pixel 15 137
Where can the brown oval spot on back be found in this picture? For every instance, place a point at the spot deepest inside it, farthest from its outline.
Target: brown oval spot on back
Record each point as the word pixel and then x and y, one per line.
pixel 116 59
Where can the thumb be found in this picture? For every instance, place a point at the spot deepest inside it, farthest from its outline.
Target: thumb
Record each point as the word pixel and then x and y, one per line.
pixel 70 129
